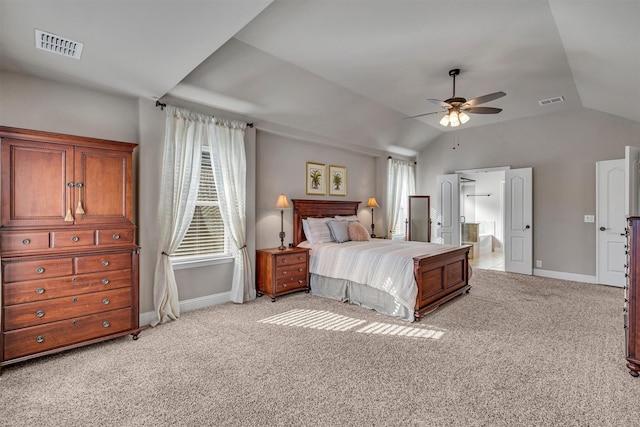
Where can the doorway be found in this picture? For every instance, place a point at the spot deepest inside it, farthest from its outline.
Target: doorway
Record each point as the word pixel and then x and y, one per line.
pixel 482 218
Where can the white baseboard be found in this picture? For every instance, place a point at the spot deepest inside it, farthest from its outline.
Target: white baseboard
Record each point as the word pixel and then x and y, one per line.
pixel 565 276
pixel 190 304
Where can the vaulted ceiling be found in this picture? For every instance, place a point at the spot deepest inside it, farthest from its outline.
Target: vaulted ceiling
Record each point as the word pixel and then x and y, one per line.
pixel 341 72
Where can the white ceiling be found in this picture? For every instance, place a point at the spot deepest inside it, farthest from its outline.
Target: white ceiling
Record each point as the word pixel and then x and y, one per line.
pixel 341 72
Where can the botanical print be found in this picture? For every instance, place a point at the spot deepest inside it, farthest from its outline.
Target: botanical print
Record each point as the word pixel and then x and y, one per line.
pixel 338 177
pixel 316 178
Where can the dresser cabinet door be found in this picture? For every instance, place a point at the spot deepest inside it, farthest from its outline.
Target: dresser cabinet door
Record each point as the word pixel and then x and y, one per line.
pixel 34 183
pixel 104 185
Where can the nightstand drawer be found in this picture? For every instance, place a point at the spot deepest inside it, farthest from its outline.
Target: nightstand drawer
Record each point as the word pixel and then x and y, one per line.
pixel 297 281
pixel 288 270
pixel 289 259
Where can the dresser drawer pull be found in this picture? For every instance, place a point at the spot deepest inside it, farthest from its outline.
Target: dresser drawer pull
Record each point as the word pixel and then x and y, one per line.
pixel 74 299
pixel 105 301
pixel 39 313
pixel 284 285
pixel 284 272
pixel 40 270
pixel 300 269
pixel 105 281
pixel 105 263
pixel 74 279
pixel 301 281
pixel 40 291
pixel 106 324
pixel 39 338
pixel 75 238
pixel 74 323
pixel 300 258
pixel 26 241
pixel 116 236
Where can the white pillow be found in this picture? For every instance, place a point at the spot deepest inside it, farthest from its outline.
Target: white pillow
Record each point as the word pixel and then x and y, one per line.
pixel 346 217
pixel 319 230
pixel 305 229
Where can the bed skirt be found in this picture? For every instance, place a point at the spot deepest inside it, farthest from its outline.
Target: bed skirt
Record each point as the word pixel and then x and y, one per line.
pixel 362 295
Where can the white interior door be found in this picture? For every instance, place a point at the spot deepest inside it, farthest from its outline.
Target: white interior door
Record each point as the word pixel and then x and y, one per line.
pixel 632 178
pixel 447 220
pixel 610 237
pixel 518 236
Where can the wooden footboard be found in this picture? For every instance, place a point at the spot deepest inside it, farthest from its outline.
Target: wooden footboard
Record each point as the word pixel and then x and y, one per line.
pixel 440 277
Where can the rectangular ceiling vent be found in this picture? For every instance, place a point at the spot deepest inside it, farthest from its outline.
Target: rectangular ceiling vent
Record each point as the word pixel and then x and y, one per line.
pixel 60 45
pixel 551 100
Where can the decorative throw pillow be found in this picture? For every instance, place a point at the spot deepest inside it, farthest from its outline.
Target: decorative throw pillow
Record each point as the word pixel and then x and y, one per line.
pixel 339 230
pixel 358 232
pixel 346 217
pixel 319 230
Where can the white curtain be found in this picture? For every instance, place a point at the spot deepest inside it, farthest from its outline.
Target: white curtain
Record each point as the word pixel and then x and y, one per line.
pixel 228 154
pixel 401 183
pixel 184 133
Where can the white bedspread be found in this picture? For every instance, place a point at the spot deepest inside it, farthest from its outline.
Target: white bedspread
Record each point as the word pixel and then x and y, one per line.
pixel 386 265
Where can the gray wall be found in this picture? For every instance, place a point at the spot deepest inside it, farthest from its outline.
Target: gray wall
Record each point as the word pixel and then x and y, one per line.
pixel 562 149
pixel 281 168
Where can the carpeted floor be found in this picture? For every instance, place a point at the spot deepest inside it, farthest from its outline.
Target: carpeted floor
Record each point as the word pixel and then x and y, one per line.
pixel 515 351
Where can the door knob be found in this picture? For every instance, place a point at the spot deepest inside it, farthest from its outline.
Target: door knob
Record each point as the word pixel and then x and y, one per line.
pixel 603 228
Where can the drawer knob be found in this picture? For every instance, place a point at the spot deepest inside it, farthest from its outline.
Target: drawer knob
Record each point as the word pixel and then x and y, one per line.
pixel 26 241
pixel 300 281
pixel 284 285
pixel 105 281
pixel 105 301
pixel 75 238
pixel 299 258
pixel 106 324
pixel 74 323
pixel 40 291
pixel 105 262
pixel 39 338
pixel 40 270
pixel 116 236
pixel 39 313
pixel 74 279
pixel 74 299
pixel 284 272
pixel 300 269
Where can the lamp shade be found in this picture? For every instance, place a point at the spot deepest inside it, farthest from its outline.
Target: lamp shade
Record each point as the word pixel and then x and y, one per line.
pixel 372 203
pixel 282 202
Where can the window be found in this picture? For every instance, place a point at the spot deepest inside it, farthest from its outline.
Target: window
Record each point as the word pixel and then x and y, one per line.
pixel 205 239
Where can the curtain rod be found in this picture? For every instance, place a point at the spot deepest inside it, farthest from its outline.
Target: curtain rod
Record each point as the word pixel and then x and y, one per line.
pixel 163 106
pixel 391 158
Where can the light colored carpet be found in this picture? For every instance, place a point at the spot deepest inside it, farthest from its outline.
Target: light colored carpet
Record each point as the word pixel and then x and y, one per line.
pixel 515 351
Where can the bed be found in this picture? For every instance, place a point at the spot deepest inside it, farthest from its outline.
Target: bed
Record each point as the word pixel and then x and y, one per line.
pixel 440 273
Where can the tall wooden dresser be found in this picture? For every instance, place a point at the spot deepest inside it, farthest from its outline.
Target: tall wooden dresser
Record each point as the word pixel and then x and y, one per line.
pixel 632 297
pixel 67 243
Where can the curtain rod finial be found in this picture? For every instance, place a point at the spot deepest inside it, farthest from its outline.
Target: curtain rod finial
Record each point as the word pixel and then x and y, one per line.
pixel 161 105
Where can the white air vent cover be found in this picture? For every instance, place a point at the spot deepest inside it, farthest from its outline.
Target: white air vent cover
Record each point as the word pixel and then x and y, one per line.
pixel 60 45
pixel 551 100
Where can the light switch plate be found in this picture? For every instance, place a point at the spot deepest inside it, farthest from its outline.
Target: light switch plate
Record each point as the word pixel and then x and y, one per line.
pixel 589 218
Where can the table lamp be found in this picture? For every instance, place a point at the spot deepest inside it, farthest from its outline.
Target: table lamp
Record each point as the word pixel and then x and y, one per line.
pixel 282 203
pixel 372 204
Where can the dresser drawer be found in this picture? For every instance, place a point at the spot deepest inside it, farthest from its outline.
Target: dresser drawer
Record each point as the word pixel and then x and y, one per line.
pixel 38 290
pixel 73 238
pixel 115 236
pixel 103 262
pixel 40 312
pixel 37 269
pixel 24 241
pixel 294 281
pixel 59 334
pixel 289 259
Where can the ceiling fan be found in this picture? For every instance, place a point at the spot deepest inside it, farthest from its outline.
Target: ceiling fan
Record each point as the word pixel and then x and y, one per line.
pixel 457 108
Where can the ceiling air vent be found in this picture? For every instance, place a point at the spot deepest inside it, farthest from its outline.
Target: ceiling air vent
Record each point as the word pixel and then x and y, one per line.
pixel 551 100
pixel 60 45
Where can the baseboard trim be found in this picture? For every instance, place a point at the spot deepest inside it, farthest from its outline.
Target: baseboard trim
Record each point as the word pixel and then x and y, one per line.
pixel 565 276
pixel 190 304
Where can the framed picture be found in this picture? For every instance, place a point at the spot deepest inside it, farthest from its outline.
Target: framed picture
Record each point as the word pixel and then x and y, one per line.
pixel 337 180
pixel 316 179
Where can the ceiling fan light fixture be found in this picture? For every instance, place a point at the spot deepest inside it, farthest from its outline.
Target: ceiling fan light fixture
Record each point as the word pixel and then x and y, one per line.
pixel 453 118
pixel 445 120
pixel 455 124
pixel 464 117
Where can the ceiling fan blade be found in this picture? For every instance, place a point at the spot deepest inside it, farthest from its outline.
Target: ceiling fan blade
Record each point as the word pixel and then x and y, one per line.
pixel 485 98
pixel 425 114
pixel 440 103
pixel 482 110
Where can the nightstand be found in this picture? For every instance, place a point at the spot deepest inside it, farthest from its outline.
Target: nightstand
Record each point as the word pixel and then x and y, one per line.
pixel 280 272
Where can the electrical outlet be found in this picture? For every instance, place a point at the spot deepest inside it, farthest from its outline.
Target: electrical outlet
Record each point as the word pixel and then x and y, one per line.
pixel 589 218
pixel 538 263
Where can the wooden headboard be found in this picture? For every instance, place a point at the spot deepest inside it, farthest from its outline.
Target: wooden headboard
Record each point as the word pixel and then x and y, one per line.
pixel 304 208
